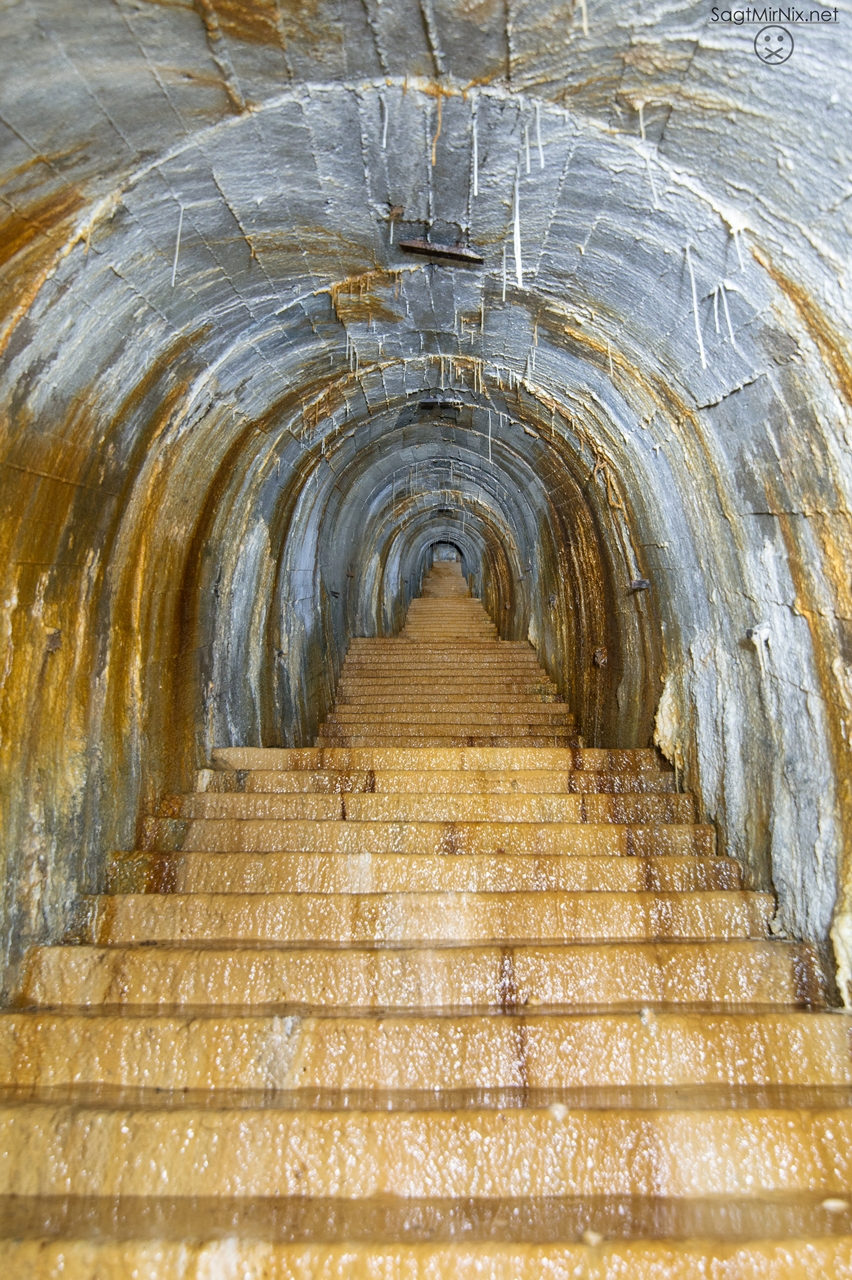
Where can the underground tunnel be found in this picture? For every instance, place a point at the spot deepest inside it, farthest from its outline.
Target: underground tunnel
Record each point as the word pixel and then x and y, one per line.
pixel 303 303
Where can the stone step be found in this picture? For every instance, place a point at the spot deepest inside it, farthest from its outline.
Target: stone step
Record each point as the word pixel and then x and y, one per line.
pixel 396 1240
pixel 536 738
pixel 255 1150
pixel 436 782
pixel 541 915
pixel 634 974
pixel 458 703
pixel 472 655
pixel 457 688
pixel 476 655
pixel 529 1051
pixel 449 735
pixel 359 644
pixel 427 695
pixel 532 714
pixel 558 723
pixel 455 679
pixel 255 835
pixel 408 807
pixel 449 675
pixel 457 662
pixel 483 759
pixel 537 718
pixel 414 873
pixel 449 690
pixel 476 647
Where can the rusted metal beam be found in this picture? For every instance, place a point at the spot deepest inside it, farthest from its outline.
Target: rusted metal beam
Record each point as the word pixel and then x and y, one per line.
pixel 433 249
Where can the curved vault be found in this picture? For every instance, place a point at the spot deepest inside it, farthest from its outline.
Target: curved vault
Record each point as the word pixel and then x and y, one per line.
pixel 225 460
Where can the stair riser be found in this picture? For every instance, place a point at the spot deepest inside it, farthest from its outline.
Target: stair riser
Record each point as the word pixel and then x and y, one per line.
pixel 390 873
pixel 585 759
pixel 429 917
pixel 468 682
pixel 454 661
pixel 388 699
pixel 54 1150
pixel 444 782
pixel 499 696
pixel 446 723
pixel 480 649
pixel 370 712
pixel 413 808
pixel 536 738
pixel 380 730
pixel 243 1052
pixel 801 1259
pixel 592 974
pixel 480 659
pixel 208 835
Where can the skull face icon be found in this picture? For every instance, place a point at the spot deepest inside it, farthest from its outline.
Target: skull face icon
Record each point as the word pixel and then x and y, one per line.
pixel 773 45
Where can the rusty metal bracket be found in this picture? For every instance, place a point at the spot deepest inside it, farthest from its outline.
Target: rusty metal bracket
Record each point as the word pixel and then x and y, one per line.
pixel 433 249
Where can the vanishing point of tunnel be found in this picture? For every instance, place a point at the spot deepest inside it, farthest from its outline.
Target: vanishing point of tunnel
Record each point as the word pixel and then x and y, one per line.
pixel 425 640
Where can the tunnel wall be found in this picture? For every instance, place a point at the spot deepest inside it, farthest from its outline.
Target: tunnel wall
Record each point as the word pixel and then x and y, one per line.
pixel 205 434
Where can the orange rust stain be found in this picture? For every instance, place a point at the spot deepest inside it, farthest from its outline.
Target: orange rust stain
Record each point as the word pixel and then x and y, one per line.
pixel 831 345
pixel 316 243
pixel 254 21
pixel 358 298
pixel 35 171
pixel 487 12
pixel 268 21
pixel 20 228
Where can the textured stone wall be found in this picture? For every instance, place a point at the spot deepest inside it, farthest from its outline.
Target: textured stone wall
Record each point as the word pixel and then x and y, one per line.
pixel 220 455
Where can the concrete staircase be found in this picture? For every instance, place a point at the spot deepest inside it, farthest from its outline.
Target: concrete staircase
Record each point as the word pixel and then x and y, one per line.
pixel 446 682
pixel 448 995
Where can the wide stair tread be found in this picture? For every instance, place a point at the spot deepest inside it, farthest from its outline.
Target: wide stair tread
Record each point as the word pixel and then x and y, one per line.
pixel 447 994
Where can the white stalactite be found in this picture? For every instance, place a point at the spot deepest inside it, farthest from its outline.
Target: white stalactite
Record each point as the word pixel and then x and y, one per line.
pixel 519 270
pixel 695 310
pixel 177 247
pixel 538 135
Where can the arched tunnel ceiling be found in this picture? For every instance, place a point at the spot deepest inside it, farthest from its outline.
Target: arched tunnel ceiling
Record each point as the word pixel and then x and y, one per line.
pixel 214 353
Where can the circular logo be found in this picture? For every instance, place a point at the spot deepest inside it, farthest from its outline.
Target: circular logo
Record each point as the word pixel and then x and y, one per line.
pixel 773 45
